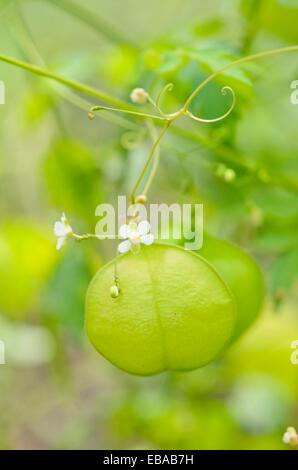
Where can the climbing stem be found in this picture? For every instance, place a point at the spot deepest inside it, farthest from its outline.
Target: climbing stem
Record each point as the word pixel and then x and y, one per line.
pixel 127 111
pixel 78 86
pixel 147 163
pixel 154 136
pixel 258 55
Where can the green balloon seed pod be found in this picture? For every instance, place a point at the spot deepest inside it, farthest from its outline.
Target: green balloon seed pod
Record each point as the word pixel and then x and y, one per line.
pixel 243 276
pixel 173 312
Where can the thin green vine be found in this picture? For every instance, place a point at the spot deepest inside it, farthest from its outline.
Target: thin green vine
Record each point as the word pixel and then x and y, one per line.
pixel 123 107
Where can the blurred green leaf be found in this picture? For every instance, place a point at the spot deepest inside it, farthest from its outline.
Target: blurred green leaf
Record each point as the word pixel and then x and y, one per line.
pixel 64 297
pixel 28 256
pixel 277 239
pixel 73 178
pixel 213 59
pixel 36 105
pixel 284 271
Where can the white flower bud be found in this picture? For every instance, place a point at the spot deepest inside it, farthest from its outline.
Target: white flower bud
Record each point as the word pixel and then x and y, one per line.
pixel 225 173
pixel 291 437
pixel 139 96
pixel 114 291
pixel 141 199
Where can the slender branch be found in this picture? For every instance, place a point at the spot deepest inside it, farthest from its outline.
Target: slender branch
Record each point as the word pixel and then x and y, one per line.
pixel 126 111
pixel 127 106
pixel 26 43
pixel 24 40
pixel 258 55
pixel 155 163
pixel 78 86
pixel 150 156
pixel 169 118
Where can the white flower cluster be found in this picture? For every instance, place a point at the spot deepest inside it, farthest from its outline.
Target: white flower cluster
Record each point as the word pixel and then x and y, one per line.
pixel 133 234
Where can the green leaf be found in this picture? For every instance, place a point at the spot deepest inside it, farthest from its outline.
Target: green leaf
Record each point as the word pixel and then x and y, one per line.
pixel 171 62
pixel 284 272
pixel 276 203
pixel 64 297
pixel 277 239
pixel 36 105
pixel 73 178
pixel 27 257
pixel 213 59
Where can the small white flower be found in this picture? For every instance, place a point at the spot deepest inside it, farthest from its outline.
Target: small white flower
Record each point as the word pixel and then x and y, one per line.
pixel 135 234
pixel 290 437
pixel 62 230
pixel 286 437
pixel 139 96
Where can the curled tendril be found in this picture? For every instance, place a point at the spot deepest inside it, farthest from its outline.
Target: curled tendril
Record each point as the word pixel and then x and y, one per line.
pixel 166 88
pixel 130 140
pixel 167 117
pixel 156 105
pixel 224 91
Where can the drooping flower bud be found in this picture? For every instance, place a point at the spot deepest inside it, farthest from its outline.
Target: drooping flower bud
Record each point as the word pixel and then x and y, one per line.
pixel 225 173
pixel 114 291
pixel 291 437
pixel 139 96
pixel 141 199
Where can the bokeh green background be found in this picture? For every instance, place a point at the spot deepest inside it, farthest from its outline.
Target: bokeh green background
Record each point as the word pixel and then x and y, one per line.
pixel 56 392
